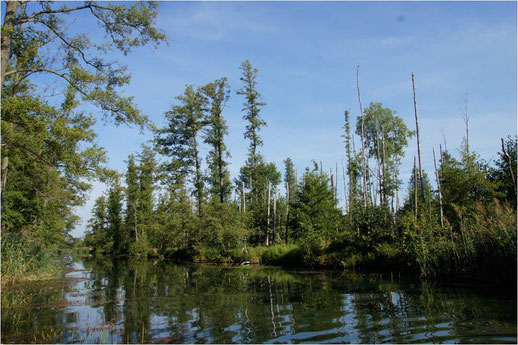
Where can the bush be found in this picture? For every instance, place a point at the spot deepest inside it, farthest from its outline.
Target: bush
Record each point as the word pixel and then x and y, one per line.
pixel 282 255
pixel 208 254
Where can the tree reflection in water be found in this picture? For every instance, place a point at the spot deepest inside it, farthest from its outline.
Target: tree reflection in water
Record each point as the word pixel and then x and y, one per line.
pixel 156 302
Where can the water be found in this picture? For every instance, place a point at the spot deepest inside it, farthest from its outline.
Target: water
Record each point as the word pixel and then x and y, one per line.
pixel 155 302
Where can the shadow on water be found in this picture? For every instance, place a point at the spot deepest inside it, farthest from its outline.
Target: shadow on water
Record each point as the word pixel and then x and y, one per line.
pixel 156 302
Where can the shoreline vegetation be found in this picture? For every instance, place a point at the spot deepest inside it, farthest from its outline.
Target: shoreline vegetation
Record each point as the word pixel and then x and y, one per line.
pixel 174 208
pixel 174 204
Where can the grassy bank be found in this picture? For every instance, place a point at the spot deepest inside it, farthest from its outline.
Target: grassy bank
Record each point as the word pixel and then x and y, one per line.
pixel 29 260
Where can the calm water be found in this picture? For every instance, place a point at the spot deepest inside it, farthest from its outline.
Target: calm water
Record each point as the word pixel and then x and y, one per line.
pixel 167 303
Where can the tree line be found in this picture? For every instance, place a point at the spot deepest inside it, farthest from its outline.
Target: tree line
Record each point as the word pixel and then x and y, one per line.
pixel 173 203
pixel 182 208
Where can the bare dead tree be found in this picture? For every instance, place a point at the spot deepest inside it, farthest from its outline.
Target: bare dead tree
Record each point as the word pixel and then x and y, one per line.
pixel 418 140
pixel 364 157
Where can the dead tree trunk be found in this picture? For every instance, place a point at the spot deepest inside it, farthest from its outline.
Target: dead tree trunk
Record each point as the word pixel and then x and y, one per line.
pixel 345 187
pixel 274 216
pixel 336 182
pixel 332 183
pixel 287 211
pixel 268 216
pixel 438 187
pixel 415 189
pixel 364 157
pixel 418 141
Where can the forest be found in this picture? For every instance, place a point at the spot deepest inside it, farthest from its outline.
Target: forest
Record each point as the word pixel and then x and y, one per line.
pixel 171 203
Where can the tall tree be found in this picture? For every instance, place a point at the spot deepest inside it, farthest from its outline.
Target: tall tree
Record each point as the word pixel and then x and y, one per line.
pixel 114 214
pixel 179 140
pixel 252 107
pixel 52 154
pixel 504 173
pixel 217 94
pixel 290 182
pixel 146 180
pixel 132 199
pixel 386 138
pixel 97 235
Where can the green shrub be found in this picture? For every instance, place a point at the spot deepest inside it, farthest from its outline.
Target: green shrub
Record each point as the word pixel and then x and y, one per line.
pixel 282 255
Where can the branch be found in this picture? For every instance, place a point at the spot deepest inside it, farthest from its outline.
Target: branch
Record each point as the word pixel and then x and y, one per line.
pixel 62 75
pixel 79 50
pixel 37 14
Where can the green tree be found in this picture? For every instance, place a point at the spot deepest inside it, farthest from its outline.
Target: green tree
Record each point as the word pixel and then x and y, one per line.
pixel 146 180
pixel 290 181
pixel 114 215
pixel 463 184
pixel 315 218
pixel 33 32
pixel 179 140
pixel 217 94
pixel 386 138
pixel 51 151
pixel 504 173
pixel 252 108
pixel 132 198
pixel 97 235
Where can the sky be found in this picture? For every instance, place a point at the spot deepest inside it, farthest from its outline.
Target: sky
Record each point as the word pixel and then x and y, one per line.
pixel 307 54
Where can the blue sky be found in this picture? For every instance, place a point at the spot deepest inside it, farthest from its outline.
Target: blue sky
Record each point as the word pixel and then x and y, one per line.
pixel 307 53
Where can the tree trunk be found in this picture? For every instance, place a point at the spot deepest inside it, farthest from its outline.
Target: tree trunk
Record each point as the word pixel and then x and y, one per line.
pixel 220 170
pixel 415 188
pixel 332 183
pixel 287 211
pixel 336 182
pixel 438 187
pixel 3 175
pixel 7 30
pixel 274 216
pixel 268 216
pixel 418 141
pixel 199 187
pixel 363 140
pixel 345 187
pixel 243 196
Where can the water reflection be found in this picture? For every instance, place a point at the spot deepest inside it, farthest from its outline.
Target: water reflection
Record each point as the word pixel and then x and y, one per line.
pixel 152 302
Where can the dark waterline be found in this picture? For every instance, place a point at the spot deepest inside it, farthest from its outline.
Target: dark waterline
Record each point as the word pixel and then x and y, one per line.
pixel 154 302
